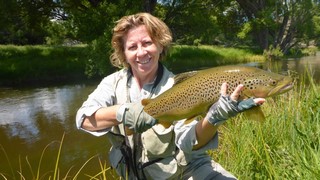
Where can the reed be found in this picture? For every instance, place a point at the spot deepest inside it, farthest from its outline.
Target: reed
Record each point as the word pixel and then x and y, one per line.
pixel 36 172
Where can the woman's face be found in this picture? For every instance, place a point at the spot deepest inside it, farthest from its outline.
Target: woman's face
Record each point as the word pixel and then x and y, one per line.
pixel 141 52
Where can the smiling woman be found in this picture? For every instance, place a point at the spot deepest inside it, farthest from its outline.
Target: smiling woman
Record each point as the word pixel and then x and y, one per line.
pixel 142 54
pixel 141 147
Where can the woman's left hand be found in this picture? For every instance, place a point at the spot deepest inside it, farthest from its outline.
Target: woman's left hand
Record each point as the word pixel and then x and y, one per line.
pixel 229 106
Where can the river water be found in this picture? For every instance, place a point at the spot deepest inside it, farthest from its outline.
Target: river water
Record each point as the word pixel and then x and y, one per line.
pixel 34 121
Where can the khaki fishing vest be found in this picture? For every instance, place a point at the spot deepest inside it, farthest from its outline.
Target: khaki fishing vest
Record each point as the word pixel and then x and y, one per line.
pixel 154 150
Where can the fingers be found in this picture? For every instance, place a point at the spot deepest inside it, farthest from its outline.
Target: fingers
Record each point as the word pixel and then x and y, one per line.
pixel 236 93
pixel 259 101
pixel 224 88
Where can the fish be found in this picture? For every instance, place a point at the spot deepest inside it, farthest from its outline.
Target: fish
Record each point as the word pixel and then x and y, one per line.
pixel 194 92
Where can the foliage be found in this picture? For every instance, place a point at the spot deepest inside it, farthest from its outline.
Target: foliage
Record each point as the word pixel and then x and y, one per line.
pixel 24 21
pixel 98 64
pixel 273 53
pixel 185 19
pixel 279 24
pixel 269 25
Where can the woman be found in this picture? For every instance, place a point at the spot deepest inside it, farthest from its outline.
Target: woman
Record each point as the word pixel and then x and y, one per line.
pixel 141 148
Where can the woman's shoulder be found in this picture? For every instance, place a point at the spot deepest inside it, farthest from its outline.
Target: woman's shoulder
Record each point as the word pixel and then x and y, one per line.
pixel 116 75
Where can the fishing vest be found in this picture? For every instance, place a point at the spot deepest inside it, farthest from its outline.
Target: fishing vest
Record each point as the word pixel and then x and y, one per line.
pixel 150 154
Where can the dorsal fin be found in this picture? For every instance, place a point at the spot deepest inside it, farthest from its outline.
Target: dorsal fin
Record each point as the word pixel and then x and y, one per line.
pixel 183 76
pixel 145 102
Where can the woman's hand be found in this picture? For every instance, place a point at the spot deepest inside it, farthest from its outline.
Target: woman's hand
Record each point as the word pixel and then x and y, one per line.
pixel 229 106
pixel 226 107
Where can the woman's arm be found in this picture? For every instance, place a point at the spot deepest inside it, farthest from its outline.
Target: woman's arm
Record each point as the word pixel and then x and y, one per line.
pixel 206 130
pixel 103 118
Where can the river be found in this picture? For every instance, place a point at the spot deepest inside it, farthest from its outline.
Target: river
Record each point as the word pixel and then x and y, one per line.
pixel 34 121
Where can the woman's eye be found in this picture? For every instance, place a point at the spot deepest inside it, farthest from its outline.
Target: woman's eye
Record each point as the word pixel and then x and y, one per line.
pixel 132 47
pixel 148 43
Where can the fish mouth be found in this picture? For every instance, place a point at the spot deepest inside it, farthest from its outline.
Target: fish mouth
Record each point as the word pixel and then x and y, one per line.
pixel 287 85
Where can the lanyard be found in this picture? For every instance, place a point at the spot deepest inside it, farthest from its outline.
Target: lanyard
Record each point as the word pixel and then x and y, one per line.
pixel 156 82
pixel 132 155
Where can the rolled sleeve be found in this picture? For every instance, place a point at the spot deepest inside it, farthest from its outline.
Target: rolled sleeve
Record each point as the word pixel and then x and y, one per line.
pixel 102 96
pixel 186 138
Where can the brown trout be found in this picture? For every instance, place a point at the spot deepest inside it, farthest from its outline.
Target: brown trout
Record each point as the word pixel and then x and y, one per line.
pixel 194 92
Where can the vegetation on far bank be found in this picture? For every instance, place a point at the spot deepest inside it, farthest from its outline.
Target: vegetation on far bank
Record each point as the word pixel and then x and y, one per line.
pixel 45 65
pixel 40 65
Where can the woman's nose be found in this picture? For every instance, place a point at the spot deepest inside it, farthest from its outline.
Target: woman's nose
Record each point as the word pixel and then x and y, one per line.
pixel 141 51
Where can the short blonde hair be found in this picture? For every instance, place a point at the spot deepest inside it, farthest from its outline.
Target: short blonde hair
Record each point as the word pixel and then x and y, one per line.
pixel 157 29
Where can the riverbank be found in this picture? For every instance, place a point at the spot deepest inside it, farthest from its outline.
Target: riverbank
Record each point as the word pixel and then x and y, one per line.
pixel 47 65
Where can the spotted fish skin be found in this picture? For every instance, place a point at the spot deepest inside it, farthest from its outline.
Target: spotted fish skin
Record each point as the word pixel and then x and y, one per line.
pixel 194 92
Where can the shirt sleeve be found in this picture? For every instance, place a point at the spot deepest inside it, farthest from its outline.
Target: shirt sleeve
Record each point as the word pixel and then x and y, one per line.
pixel 186 138
pixel 102 96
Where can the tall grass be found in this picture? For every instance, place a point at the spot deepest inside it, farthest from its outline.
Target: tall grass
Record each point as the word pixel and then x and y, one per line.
pixel 37 172
pixel 285 146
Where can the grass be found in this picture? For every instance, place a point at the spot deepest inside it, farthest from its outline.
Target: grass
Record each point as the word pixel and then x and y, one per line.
pixel 285 146
pixel 183 58
pixel 38 172
pixel 29 65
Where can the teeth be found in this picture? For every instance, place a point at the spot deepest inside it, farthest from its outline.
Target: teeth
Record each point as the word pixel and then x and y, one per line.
pixel 144 62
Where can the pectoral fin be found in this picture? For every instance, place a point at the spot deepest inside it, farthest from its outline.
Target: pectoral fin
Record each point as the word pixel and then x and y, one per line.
pixel 255 113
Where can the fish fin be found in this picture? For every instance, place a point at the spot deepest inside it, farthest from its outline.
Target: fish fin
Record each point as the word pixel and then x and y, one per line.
pixel 255 113
pixel 183 76
pixel 145 102
pixel 187 121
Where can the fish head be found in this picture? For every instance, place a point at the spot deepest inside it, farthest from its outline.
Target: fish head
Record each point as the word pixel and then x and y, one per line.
pixel 263 84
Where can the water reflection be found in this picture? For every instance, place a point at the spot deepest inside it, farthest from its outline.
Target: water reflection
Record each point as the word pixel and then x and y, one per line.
pixel 34 118
pixel 298 67
pixel 23 107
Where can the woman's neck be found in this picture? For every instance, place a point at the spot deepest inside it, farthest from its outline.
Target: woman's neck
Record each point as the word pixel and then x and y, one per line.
pixel 143 79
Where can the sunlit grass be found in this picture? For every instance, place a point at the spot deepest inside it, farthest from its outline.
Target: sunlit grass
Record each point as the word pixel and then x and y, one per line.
pixel 20 65
pixel 285 146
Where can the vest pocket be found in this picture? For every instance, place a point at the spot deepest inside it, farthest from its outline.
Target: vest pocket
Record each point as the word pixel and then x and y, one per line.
pixel 158 142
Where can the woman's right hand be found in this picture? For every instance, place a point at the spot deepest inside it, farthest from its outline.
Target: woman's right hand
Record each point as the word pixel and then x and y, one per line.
pixel 135 118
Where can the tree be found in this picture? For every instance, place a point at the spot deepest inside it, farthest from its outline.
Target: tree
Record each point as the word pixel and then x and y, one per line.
pixel 24 21
pixel 191 22
pixel 279 24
